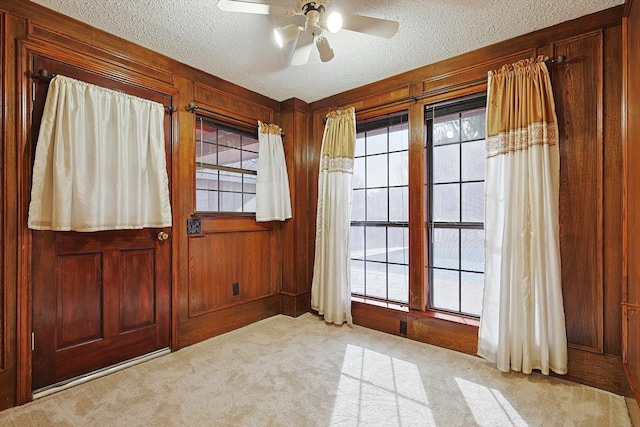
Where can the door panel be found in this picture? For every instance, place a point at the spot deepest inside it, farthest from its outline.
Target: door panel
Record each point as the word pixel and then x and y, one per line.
pixel 137 288
pixel 79 298
pixel 99 298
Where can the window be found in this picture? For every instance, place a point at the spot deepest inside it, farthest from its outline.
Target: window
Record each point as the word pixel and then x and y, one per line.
pixel 226 168
pixel 455 154
pixel 380 212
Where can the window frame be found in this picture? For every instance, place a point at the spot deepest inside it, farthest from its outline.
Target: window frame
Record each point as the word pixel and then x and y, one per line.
pixel 243 132
pixel 432 112
pixel 370 125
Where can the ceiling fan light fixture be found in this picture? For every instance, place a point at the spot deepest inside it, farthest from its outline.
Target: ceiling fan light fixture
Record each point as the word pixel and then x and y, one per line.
pixel 286 34
pixel 325 51
pixel 334 22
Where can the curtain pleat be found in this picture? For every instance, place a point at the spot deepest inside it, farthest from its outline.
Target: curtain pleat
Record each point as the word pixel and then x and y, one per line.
pixel 273 200
pixel 100 161
pixel 522 325
pixel 331 285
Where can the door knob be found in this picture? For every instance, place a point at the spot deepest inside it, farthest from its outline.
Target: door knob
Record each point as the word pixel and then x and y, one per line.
pixel 163 236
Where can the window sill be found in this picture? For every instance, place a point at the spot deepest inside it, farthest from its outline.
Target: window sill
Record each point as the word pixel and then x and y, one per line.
pixel 429 314
pixel 455 318
pixel 379 303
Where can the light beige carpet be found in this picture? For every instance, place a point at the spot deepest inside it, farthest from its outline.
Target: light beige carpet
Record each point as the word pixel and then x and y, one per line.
pixel 286 371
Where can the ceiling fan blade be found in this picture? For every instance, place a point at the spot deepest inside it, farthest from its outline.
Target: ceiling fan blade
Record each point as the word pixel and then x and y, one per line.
pixel 368 25
pixel 249 7
pixel 303 49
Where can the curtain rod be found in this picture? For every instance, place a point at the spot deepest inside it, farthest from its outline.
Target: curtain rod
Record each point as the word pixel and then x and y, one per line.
pixel 558 59
pixel 45 76
pixel 193 108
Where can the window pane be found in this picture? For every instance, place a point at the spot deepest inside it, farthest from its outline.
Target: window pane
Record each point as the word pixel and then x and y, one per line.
pixel 472 288
pixel 399 137
pixel 473 156
pixel 377 204
pixel 472 255
pixel 359 172
pixel 357 208
pixel 446 129
pixel 446 203
pixel 356 242
pixel 229 139
pixel 445 247
pixel 202 200
pixel 206 153
pixel 473 202
pixel 248 203
pixel 230 202
pixel 249 144
pixel 377 171
pixel 376 279
pixel 376 241
pixel 250 161
pixel 360 141
pixel 399 283
pixel 376 141
pixel 229 157
pixel 249 183
pixel 398 245
pixel 399 204
pixel 357 277
pixel 399 168
pixel 446 163
pixel 230 181
pixel 445 290
pixel 473 124
pixel 206 179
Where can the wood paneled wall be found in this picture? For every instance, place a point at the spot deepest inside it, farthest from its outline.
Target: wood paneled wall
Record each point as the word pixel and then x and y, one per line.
pixel 587 91
pixel 631 141
pixel 273 263
pixel 296 253
pixel 230 249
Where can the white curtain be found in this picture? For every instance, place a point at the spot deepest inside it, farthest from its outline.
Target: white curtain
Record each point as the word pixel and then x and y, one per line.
pixel 331 285
pixel 273 201
pixel 100 161
pixel 522 326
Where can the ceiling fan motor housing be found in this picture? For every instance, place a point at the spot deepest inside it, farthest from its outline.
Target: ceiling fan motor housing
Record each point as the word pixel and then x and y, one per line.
pixel 312 10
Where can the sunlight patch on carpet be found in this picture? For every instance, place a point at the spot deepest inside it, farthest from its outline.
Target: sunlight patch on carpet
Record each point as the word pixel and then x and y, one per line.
pixel 376 389
pixel 489 406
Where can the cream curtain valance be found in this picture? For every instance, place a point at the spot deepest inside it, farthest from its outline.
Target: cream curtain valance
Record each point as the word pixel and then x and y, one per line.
pixel 100 161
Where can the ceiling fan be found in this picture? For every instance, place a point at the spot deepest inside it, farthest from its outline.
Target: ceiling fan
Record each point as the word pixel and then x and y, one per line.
pixel 317 19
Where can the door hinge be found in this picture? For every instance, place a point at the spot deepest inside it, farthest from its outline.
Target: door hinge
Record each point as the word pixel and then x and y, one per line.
pixel 33 341
pixel 33 91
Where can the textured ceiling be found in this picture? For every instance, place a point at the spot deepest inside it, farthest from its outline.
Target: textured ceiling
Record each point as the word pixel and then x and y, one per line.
pixel 239 47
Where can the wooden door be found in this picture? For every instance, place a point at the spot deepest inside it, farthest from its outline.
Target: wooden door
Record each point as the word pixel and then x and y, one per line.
pixel 99 298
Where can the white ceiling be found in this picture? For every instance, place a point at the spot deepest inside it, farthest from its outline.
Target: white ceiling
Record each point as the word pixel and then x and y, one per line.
pixel 239 47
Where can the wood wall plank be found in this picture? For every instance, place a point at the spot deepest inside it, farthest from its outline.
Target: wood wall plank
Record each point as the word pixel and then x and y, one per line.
pixel 578 90
pixel 219 260
pixel 296 275
pixel 612 190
